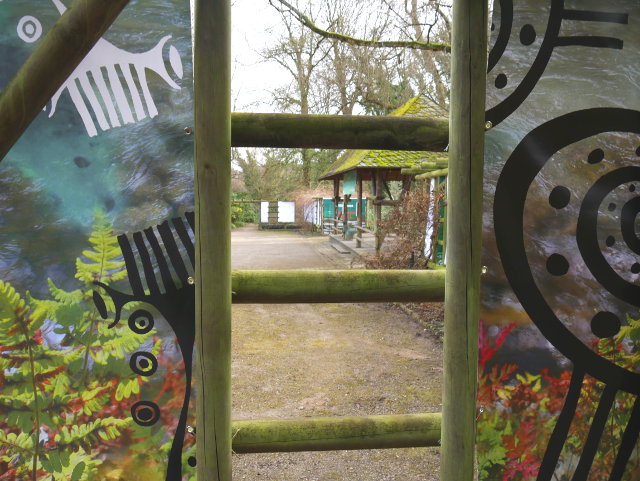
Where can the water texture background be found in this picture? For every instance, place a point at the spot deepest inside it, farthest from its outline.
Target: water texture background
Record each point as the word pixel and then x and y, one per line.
pixel 69 381
pixel 559 58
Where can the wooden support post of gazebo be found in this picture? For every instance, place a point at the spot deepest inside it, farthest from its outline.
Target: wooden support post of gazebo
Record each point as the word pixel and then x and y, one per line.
pixel 336 200
pixel 379 195
pixel 345 214
pixel 359 208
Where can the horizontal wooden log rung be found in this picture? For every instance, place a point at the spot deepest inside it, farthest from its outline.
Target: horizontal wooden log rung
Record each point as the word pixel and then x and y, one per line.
pixel 432 174
pixel 332 286
pixel 431 164
pixel 338 132
pixel 334 433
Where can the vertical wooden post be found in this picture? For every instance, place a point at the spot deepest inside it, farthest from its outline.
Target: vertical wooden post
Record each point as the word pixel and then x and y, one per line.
pixel 359 207
pixel 443 219
pixel 212 79
pixel 464 229
pixel 379 192
pixel 434 209
pixel 336 199
pixel 345 214
pixel 374 186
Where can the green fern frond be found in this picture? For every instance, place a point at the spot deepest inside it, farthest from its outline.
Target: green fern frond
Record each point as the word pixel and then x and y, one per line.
pixel 13 444
pixel 631 331
pixel 118 342
pixel 84 435
pixel 117 347
pixel 127 389
pixel 17 324
pixel 41 307
pixel 12 315
pixel 103 261
pixel 60 295
pixel 46 359
pixel 71 466
pixel 10 301
pixel 69 374
pixel 93 399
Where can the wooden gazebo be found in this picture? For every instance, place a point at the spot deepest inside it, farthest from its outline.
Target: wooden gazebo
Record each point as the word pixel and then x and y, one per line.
pixel 381 166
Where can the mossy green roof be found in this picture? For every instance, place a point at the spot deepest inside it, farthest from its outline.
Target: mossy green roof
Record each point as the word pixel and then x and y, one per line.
pixel 391 159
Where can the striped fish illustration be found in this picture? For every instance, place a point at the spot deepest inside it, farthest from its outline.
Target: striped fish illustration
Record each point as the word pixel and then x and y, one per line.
pixel 165 254
pixel 98 80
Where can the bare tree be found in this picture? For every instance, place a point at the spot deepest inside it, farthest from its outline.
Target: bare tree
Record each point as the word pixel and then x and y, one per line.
pixel 363 66
pixel 308 22
pixel 429 21
pixel 300 53
pixel 370 55
pixel 271 174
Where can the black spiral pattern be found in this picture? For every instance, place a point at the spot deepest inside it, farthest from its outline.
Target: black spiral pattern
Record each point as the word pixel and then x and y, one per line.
pixel 545 42
pixel 518 174
pixel 602 199
pixel 587 232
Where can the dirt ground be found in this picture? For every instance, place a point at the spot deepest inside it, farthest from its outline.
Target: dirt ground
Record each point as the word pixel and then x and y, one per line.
pixel 327 360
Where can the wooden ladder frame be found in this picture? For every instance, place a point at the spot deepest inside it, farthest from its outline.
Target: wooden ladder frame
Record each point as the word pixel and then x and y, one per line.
pixel 216 130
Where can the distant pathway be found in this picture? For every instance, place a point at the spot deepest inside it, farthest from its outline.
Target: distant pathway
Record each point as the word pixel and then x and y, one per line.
pixel 276 249
pixel 327 360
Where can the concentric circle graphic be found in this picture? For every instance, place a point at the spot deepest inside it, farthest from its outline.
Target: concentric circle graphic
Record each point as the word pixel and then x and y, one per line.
pixel 602 199
pixel 587 232
pixel 141 321
pixel 145 413
pixel 143 363
pixel 29 29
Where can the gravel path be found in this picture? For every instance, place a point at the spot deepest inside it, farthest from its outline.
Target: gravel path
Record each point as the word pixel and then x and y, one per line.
pixel 327 360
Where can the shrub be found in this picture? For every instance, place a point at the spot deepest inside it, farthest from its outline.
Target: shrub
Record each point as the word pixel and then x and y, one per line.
pixel 404 231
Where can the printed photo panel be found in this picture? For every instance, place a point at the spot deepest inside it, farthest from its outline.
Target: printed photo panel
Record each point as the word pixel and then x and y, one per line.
pixel 97 253
pixel 560 320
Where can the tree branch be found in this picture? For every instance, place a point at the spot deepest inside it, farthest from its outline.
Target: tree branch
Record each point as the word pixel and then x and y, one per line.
pixel 412 44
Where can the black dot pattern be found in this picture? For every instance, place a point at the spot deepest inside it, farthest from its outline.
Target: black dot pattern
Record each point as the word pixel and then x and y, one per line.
pixel 595 156
pixel 635 268
pixel 192 461
pixel 557 265
pixel 527 35
pixel 559 197
pixel 501 81
pixel 610 240
pixel 605 324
